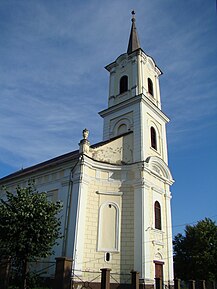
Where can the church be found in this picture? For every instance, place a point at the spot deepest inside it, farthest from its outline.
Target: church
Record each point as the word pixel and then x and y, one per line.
pixel 116 193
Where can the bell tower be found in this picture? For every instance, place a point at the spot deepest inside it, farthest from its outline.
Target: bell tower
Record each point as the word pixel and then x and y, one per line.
pixel 134 102
pixel 134 105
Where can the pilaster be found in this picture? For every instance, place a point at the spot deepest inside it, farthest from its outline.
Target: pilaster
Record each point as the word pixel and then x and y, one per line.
pixel 142 221
pixel 80 189
pixel 169 236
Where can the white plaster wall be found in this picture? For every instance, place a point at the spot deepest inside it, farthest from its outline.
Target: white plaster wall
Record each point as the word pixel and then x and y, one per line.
pixel 107 184
pixel 115 152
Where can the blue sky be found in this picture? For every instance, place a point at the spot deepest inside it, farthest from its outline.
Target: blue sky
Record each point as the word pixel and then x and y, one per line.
pixel 53 84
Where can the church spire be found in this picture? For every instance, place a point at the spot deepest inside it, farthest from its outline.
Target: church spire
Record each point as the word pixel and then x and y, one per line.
pixel 134 39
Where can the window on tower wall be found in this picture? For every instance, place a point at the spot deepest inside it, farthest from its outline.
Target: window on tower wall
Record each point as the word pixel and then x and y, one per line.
pixel 157 214
pixel 150 87
pixel 153 138
pixel 123 84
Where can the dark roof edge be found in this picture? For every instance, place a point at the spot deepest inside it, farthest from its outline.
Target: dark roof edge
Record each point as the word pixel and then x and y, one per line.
pixel 54 161
pixel 43 165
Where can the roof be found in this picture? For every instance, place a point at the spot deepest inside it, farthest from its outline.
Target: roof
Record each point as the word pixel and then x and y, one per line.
pixel 54 161
pixel 134 39
pixel 44 165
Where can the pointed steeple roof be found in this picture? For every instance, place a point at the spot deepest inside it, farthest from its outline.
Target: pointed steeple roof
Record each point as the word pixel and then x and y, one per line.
pixel 134 39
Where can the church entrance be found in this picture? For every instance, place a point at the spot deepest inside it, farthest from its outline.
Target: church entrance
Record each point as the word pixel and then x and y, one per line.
pixel 158 275
pixel 159 270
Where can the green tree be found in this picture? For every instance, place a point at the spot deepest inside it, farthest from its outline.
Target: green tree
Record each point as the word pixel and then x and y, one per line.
pixel 29 226
pixel 195 253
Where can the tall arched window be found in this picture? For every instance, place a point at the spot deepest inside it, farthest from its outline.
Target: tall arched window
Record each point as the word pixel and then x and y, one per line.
pixel 108 234
pixel 157 215
pixel 150 87
pixel 153 138
pixel 123 84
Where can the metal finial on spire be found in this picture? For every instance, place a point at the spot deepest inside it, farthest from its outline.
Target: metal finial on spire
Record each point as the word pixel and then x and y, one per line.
pixel 134 39
pixel 133 16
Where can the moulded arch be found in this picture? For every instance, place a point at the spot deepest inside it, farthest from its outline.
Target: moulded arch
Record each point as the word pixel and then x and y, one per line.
pixel 123 121
pixel 157 165
pixel 111 203
pixel 158 256
pixel 151 61
pixel 156 69
pixel 152 123
pixel 122 129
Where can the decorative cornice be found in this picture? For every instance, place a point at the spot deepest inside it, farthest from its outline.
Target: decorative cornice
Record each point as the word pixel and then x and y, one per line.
pixel 158 190
pixel 141 183
pixel 110 193
pixel 134 100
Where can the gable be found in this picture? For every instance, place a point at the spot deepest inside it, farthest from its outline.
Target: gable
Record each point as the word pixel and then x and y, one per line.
pixel 160 168
pixel 117 151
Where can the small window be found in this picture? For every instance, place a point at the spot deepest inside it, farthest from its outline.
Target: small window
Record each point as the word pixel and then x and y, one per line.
pixel 123 84
pixel 157 213
pixel 107 257
pixel 153 138
pixel 150 87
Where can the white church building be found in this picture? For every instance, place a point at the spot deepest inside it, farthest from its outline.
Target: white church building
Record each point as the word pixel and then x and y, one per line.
pixel 116 193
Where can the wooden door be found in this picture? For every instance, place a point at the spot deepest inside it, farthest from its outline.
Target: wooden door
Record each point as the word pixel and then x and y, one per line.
pixel 159 271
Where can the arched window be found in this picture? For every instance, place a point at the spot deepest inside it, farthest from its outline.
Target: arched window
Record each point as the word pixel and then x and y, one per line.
pixel 122 129
pixel 157 215
pixel 122 125
pixel 150 87
pixel 108 235
pixel 153 138
pixel 123 84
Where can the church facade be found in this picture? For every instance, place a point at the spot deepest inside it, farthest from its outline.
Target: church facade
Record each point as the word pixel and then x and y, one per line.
pixel 116 194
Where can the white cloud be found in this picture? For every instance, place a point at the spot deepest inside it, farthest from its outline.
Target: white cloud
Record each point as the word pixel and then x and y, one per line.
pixel 52 78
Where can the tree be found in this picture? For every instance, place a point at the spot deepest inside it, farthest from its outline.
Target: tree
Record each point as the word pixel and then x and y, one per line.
pixel 29 227
pixel 195 254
